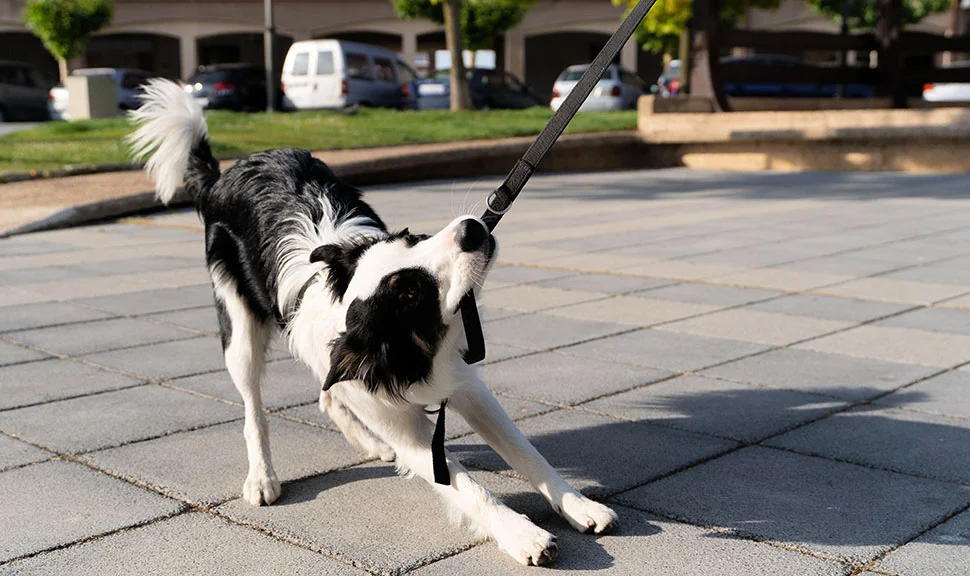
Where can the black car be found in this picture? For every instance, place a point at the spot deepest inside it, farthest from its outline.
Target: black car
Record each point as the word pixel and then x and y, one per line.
pixel 239 87
pixel 23 92
pixel 489 89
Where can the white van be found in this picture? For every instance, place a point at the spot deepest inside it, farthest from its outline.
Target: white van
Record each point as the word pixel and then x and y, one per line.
pixel 337 73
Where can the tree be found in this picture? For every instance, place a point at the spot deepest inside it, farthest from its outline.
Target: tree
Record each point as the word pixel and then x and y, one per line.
pixel 477 24
pixel 65 25
pixel 862 14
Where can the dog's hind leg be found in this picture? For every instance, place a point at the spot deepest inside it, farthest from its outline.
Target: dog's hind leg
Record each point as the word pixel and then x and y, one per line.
pixel 244 340
pixel 355 432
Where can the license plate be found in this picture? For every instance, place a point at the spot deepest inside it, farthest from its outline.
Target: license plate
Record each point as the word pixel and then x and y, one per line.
pixel 431 89
pixel 203 102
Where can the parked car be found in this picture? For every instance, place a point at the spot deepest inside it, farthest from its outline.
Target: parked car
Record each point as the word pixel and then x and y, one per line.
pixel 240 87
pixel 130 86
pixel 617 89
pixel 669 82
pixel 784 89
pixel 488 88
pixel 23 92
pixel 338 74
pixel 950 91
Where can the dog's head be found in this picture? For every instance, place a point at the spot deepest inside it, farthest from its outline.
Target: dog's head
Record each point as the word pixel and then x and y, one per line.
pixel 401 294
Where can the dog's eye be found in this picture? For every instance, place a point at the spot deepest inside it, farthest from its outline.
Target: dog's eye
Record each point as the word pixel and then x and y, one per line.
pixel 411 294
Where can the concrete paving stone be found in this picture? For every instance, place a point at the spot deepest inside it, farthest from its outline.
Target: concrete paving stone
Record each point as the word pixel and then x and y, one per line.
pixel 960 303
pixel 727 409
pixel 932 320
pixel 310 414
pixel 563 379
pixel 837 509
pixel 45 314
pixel 598 455
pixel 97 336
pixel 843 265
pixel 709 294
pixel 754 326
pixel 516 408
pixel 55 379
pixel 947 395
pixel 604 283
pixel 19 276
pixel 490 313
pixel 533 298
pixel 757 256
pixel 56 503
pixel 203 320
pixel 630 310
pixel 665 350
pixel 542 331
pixel 943 551
pixel 15 453
pixel 13 354
pixel 150 231
pixel 896 345
pixel 680 270
pixel 921 444
pixel 524 274
pixel 829 307
pixel 27 246
pixel 166 360
pixel 285 383
pixel 193 543
pixel 780 279
pixel 589 243
pixel 369 516
pixel 950 272
pixel 134 265
pixel 598 262
pixel 149 301
pixel 93 287
pixel 820 373
pixel 644 545
pixel 495 352
pixel 113 418
pixel 891 290
pixel 527 255
pixel 208 466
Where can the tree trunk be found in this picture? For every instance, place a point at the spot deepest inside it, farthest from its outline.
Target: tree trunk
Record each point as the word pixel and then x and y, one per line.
pixel 460 97
pixel 62 70
pixel 683 52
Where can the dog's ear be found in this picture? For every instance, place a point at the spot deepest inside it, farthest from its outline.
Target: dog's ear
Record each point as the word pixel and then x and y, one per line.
pixel 344 363
pixel 328 253
pixel 341 261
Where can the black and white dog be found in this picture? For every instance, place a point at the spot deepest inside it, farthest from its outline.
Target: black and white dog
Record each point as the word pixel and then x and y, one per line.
pixel 293 250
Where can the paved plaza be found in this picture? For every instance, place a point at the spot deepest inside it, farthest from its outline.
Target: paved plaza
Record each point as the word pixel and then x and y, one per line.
pixel 762 373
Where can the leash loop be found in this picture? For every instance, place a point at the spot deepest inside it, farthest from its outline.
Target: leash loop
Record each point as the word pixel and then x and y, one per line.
pixel 488 204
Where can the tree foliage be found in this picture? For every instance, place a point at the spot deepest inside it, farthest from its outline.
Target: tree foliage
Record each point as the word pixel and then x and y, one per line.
pixel 661 28
pixel 865 13
pixel 482 21
pixel 65 25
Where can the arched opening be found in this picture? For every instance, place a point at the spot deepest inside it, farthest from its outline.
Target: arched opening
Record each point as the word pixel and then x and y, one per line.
pixel 427 45
pixel 28 48
pixel 150 52
pixel 239 49
pixel 385 40
pixel 546 55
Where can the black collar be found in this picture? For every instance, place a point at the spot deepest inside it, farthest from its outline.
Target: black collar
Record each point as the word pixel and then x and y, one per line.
pixel 299 295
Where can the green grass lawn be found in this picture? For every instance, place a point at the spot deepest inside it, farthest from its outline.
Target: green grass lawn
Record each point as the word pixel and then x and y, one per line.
pixel 58 144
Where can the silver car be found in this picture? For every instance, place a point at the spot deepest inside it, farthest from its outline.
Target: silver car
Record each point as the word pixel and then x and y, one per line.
pixel 617 89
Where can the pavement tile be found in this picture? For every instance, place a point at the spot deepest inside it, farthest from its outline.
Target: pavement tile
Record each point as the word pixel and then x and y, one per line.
pixel 709 294
pixel 837 509
pixel 532 298
pixel 753 326
pixel 497 352
pixel 97 336
pixel 56 503
pixel 850 265
pixel 369 516
pixel 780 279
pixel 947 395
pixel 819 373
pixel 680 270
pixel 932 320
pixel 920 444
pixel 601 262
pixel 202 320
pixel 896 345
pixel 209 466
pixel 55 379
pixel 14 453
pixel 892 290
pixel 28 316
pixel 19 276
pixel 943 551
pixel 603 283
pixel 630 310
pixel 310 414
pixel 542 331
pixel 193 543
pixel 644 545
pixel 285 383
pixel 135 265
pixel 599 455
pixel 665 350
pixel 12 354
pixel 727 409
pixel 562 379
pixel 490 313
pixel 149 301
pixel 167 360
pixel 951 272
pixel 23 246
pixel 112 418
pixel 524 274
pixel 829 307
pixel 959 303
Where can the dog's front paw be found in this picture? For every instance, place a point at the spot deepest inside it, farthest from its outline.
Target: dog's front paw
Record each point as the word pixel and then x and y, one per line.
pixel 528 544
pixel 382 451
pixel 586 515
pixel 261 489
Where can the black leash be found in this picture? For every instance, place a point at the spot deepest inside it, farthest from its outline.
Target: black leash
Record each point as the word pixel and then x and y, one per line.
pixel 500 200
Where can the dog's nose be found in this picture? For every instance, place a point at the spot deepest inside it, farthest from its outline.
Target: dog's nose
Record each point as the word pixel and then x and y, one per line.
pixel 470 235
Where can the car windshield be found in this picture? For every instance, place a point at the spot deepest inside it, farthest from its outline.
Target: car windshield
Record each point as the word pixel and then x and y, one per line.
pixel 212 76
pixel 574 74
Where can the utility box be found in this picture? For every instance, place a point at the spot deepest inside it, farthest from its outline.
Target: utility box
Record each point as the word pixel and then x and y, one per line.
pixel 91 97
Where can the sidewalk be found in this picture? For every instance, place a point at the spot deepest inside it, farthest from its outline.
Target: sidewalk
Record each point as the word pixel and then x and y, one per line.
pixel 762 373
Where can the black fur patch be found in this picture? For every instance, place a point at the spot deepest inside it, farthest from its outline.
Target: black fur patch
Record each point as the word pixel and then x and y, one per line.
pixel 392 336
pixel 341 260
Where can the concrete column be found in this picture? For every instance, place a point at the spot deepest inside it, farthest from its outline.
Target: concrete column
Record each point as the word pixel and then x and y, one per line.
pixel 409 46
pixel 628 55
pixel 515 53
pixel 189 55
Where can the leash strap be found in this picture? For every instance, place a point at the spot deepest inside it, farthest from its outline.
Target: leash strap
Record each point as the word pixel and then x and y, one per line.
pixel 500 200
pixel 438 462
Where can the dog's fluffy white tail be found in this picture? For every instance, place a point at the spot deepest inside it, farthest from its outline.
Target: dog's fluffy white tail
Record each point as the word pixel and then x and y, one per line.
pixel 170 127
